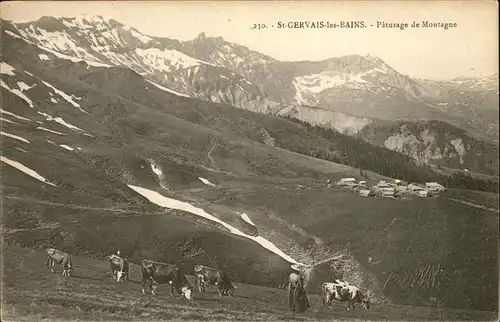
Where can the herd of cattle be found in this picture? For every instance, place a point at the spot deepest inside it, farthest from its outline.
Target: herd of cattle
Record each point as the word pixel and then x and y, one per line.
pixel 156 273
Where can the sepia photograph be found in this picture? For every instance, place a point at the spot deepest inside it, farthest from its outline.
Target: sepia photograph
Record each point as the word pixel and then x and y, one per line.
pixel 249 161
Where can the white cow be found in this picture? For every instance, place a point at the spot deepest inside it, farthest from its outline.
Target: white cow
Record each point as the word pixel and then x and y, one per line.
pixel 343 292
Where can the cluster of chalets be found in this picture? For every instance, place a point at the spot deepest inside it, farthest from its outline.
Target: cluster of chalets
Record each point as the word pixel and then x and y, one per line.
pixel 390 189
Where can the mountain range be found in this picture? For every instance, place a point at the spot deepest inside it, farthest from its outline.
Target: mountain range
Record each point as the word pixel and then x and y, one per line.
pixel 112 139
pixel 346 93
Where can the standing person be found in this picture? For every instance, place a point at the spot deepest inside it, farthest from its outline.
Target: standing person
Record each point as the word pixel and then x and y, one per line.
pixel 297 297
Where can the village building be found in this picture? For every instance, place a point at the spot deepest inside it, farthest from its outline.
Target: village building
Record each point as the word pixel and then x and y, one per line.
pixel 347 182
pixel 366 193
pixel 423 193
pixel 388 192
pixel 382 184
pixel 415 187
pixel 434 186
pixel 401 188
pixel 351 185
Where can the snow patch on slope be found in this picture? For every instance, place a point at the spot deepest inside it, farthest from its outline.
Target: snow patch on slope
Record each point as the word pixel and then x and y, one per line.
pixel 166 202
pixel 68 98
pixel 167 89
pixel 14 137
pixel 17 93
pixel 61 121
pixel 247 219
pixel 55 53
pixel 316 83
pixel 6 69
pixel 24 87
pixel 67 147
pixel 43 57
pixel 159 173
pixel 156 170
pixel 8 121
pixel 57 41
pixel 25 169
pixel 49 130
pixel 205 181
pixel 14 115
pixel 145 39
pixel 82 22
pixel 167 60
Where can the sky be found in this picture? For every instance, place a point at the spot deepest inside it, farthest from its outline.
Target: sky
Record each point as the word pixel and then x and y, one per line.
pixel 470 49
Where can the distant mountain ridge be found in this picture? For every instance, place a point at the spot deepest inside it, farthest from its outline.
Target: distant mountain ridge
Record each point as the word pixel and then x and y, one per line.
pixel 435 142
pixel 355 88
pixel 345 93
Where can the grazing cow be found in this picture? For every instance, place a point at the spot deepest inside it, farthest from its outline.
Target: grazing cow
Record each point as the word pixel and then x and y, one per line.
pixel 208 276
pixel 297 297
pixel 343 292
pixel 119 267
pixel 162 273
pixel 55 256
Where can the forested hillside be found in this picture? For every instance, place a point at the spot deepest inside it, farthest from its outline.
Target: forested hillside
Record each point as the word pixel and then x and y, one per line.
pixel 359 154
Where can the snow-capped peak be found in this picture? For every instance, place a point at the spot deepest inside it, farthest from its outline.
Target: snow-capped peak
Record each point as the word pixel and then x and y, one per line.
pixel 372 57
pixel 92 18
pixel 87 21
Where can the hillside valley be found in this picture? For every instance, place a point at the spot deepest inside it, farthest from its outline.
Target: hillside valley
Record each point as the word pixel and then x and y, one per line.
pixel 101 154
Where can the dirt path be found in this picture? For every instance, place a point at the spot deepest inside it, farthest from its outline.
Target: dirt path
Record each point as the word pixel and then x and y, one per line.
pixel 126 212
pixel 75 206
pixel 468 203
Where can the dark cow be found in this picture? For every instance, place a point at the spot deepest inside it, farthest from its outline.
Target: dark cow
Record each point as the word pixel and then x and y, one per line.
pixel 55 256
pixel 343 292
pixel 161 273
pixel 208 276
pixel 297 297
pixel 119 267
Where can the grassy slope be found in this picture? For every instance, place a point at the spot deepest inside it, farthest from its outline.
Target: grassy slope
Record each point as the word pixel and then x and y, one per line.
pixel 31 292
pixel 402 236
pixel 130 127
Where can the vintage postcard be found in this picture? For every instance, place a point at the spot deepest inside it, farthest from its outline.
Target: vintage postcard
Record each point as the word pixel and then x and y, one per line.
pixel 249 161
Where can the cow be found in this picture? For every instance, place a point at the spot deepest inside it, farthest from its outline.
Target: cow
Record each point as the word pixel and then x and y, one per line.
pixel 119 267
pixel 208 276
pixel 297 297
pixel 343 292
pixel 163 273
pixel 55 256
